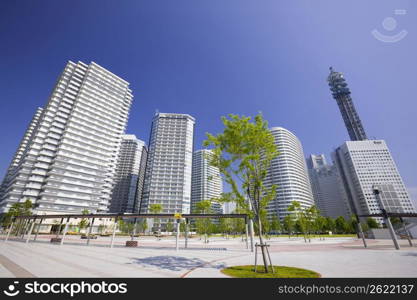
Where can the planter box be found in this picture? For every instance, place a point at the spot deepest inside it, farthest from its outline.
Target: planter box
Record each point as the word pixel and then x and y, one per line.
pixel 380 234
pixel 56 240
pixel 131 243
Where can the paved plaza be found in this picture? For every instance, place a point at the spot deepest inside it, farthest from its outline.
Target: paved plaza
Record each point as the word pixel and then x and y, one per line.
pixel 332 257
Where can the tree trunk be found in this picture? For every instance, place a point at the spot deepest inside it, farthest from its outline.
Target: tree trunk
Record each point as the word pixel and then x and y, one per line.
pixel 262 247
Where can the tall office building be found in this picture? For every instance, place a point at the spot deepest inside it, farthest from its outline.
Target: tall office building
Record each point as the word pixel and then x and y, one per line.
pixel 206 182
pixel 289 172
pixel 363 164
pixel 130 174
pixel 169 166
pixel 341 94
pixel 325 184
pixel 67 159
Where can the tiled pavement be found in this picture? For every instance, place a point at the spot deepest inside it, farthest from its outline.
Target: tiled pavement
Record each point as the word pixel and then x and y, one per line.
pixel 333 257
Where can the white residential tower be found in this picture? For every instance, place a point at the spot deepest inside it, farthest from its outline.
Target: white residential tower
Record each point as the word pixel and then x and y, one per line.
pixel 169 166
pixel 67 159
pixel 130 174
pixel 206 181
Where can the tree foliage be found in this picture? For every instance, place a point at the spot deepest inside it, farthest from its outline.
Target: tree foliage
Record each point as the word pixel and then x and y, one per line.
pixel 156 209
pixel 84 221
pixel 372 223
pixel 243 153
pixel 17 209
pixel 204 226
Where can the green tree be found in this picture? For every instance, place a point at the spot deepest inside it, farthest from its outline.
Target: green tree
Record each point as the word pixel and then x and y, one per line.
pixel 266 225
pixel 365 227
pixel 170 226
pixel 143 225
pixel 289 224
pixel 84 221
pixel 301 218
pixel 330 224
pixel 243 153
pixel 341 225
pixel 238 226
pixel 225 226
pixel 275 224
pixel 203 225
pixel 182 226
pixel 17 209
pixel 395 220
pixel 312 215
pixel 156 209
pixel 353 225
pixel 372 223
pixel 101 228
pixel 319 225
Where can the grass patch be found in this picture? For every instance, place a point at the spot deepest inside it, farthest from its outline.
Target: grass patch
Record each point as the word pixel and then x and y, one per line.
pixel 280 272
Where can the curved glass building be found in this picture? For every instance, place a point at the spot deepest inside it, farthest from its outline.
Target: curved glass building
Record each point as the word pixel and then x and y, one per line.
pixel 289 172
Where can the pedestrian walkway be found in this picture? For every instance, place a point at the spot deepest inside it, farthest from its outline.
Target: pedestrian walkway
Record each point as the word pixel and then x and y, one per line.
pixel 338 257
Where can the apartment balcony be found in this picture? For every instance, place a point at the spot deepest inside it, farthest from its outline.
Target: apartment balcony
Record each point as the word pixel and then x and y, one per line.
pixel 55 187
pixel 89 139
pixel 49 147
pixel 76 143
pixel 65 195
pixel 76 173
pixel 39 172
pixel 31 193
pixel 33 186
pixel 41 165
pixel 76 162
pixel 81 130
pixel 82 156
pixel 44 159
pixel 36 179
pixel 87 122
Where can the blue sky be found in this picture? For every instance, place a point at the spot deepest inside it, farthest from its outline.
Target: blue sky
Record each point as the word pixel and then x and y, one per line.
pixel 214 57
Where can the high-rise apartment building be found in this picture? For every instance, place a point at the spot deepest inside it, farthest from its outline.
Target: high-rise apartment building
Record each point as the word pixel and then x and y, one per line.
pixel 325 184
pixel 289 172
pixel 206 182
pixel 363 164
pixel 14 165
pixel 130 174
pixel 341 94
pixel 66 161
pixel 169 165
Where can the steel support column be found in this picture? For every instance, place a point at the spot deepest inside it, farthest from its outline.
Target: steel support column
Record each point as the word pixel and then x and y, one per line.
pixel 89 231
pixel 114 233
pixel 10 230
pixel 30 230
pixel 37 229
pixel 186 233
pixel 65 231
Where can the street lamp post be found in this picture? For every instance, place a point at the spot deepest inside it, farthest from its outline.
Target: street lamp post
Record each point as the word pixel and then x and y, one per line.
pixel 177 237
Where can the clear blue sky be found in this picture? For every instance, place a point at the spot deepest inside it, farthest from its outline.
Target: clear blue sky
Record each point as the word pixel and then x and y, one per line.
pixel 214 57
